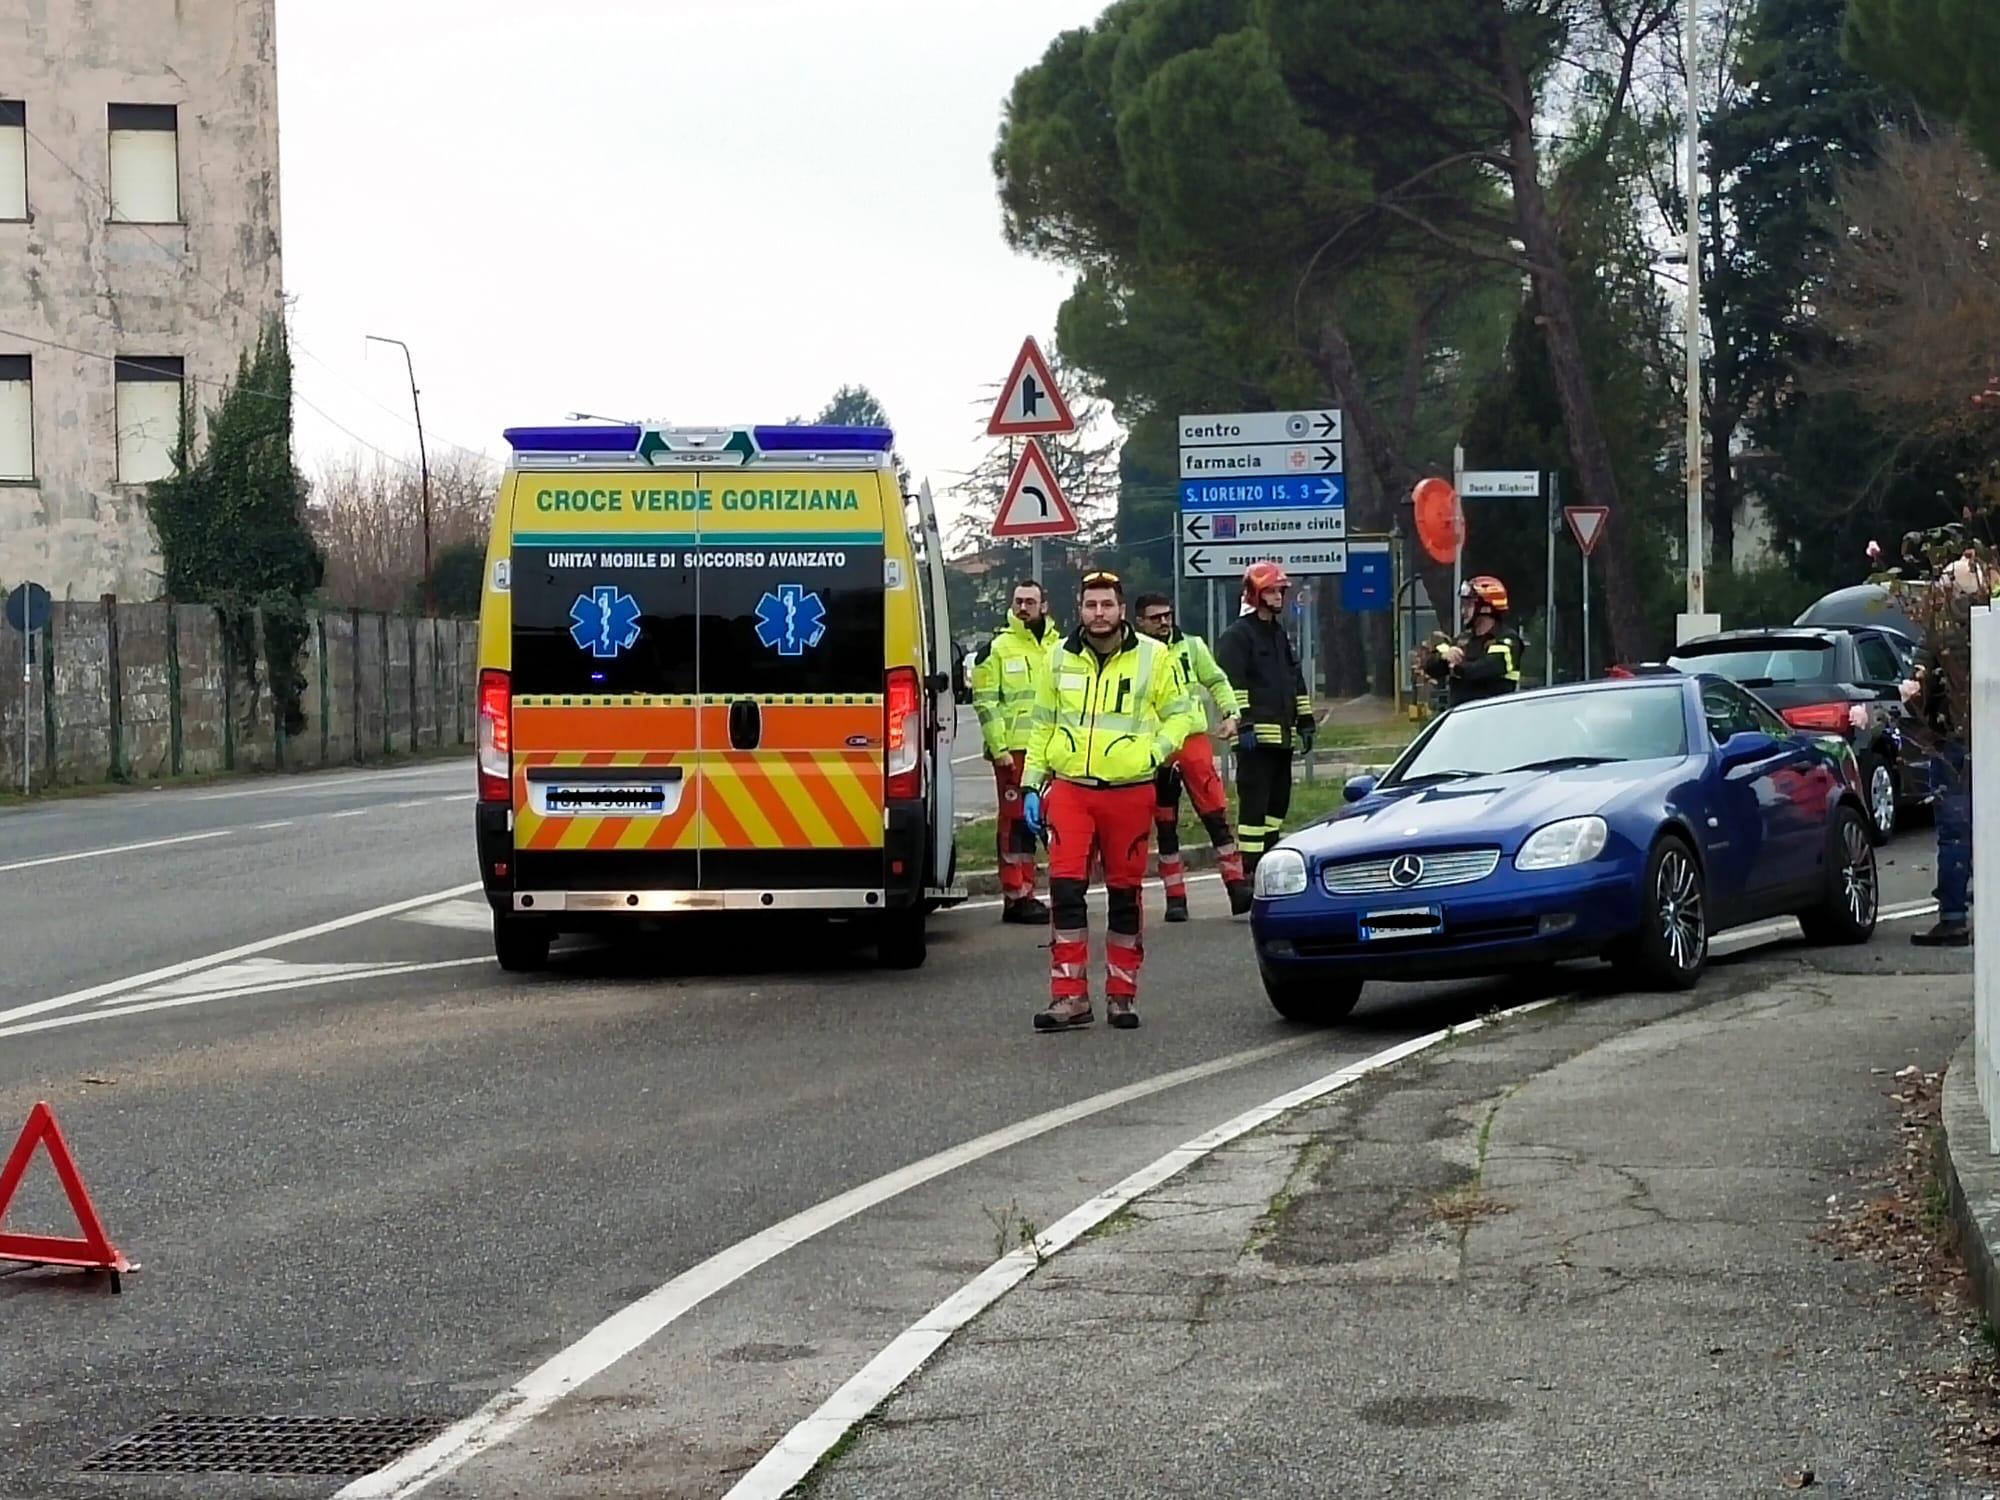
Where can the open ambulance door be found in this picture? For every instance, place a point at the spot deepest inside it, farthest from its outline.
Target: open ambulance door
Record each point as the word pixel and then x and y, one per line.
pixel 941 702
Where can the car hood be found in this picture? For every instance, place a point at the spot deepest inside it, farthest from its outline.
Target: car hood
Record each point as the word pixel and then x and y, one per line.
pixel 1500 809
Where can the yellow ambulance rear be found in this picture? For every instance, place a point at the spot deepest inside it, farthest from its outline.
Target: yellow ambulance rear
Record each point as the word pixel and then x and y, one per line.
pixel 715 676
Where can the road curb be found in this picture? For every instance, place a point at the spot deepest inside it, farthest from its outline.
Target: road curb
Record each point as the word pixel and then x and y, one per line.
pixel 1971 1176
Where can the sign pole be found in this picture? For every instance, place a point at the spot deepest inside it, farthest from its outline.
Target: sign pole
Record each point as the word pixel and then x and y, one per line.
pixel 27 710
pixel 1549 613
pixel 1586 617
pixel 1180 565
pixel 1450 612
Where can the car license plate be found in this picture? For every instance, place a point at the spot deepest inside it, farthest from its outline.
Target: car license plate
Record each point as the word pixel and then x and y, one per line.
pixel 630 800
pixel 1402 922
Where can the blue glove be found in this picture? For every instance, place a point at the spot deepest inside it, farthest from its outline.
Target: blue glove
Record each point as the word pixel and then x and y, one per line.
pixel 1246 737
pixel 1031 812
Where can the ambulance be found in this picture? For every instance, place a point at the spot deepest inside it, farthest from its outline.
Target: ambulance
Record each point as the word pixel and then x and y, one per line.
pixel 714 677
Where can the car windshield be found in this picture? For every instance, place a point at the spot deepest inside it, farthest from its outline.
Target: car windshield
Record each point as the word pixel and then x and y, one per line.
pixel 1550 731
pixel 1770 661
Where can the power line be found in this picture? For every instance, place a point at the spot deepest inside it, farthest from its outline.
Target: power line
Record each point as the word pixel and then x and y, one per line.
pixel 220 385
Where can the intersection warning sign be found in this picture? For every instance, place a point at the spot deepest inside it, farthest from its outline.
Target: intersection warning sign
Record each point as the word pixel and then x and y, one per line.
pixel 1030 405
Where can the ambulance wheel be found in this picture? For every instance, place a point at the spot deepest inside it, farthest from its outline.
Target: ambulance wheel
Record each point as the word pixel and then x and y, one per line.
pixel 902 941
pixel 520 943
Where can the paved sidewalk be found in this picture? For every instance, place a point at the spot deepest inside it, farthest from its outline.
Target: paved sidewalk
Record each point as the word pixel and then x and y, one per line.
pixel 1575 1255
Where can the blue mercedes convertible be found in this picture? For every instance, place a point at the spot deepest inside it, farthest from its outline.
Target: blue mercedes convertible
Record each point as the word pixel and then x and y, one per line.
pixel 1627 820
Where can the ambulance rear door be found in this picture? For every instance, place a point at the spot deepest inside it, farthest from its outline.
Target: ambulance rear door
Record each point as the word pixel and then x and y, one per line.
pixel 790 671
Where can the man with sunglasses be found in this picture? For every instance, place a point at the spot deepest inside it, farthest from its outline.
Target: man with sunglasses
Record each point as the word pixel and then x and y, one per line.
pixel 1111 713
pixel 1194 767
pixel 1008 674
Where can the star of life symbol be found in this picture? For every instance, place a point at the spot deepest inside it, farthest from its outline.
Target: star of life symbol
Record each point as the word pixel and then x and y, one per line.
pixel 604 621
pixel 790 620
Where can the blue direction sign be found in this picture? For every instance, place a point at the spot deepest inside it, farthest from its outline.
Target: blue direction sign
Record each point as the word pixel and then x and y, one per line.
pixel 1263 493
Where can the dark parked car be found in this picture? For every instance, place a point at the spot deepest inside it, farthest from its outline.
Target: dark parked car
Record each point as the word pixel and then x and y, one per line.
pixel 1867 606
pixel 1844 682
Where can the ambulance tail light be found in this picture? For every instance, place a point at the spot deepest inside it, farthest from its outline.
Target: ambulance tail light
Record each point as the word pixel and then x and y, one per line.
pixel 496 737
pixel 906 734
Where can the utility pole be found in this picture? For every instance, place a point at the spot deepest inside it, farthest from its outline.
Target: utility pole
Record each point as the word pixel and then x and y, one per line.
pixel 423 459
pixel 1695 621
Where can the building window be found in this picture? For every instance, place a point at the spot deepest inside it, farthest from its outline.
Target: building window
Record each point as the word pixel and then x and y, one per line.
pixel 17 417
pixel 13 159
pixel 145 163
pixel 149 417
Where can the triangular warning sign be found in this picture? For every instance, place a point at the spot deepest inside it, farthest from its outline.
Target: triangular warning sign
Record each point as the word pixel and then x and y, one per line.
pixel 1586 524
pixel 1030 405
pixel 94 1250
pixel 1034 504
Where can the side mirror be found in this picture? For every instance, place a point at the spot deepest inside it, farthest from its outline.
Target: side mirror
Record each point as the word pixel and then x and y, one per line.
pixel 1358 787
pixel 1745 746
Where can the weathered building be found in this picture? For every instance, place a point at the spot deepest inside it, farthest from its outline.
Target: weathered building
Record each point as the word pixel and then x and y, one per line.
pixel 138 260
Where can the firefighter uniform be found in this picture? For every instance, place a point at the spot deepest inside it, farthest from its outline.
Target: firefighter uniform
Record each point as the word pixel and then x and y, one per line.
pixel 1103 726
pixel 1264 668
pixel 1492 667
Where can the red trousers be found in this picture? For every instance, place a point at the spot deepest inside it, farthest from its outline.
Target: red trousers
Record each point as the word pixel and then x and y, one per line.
pixel 1194 768
pixel 1016 839
pixel 1118 822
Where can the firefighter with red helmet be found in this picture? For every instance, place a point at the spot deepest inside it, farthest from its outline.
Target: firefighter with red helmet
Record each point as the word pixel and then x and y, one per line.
pixel 1263 666
pixel 1485 659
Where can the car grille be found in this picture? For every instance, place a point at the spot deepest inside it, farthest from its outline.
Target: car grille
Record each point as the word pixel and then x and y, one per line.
pixel 1370 877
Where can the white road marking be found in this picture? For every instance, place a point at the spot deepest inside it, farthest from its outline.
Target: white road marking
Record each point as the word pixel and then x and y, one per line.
pixel 805 1445
pixel 629 1328
pixel 250 974
pixel 314 785
pixel 352 812
pixel 459 916
pixel 267 827
pixel 384 971
pixel 63 859
pixel 230 955
pixel 1789 927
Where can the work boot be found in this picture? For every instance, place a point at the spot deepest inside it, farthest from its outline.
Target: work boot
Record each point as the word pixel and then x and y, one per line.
pixel 1027 912
pixel 1239 897
pixel 1944 935
pixel 1069 1014
pixel 1177 909
pixel 1122 1010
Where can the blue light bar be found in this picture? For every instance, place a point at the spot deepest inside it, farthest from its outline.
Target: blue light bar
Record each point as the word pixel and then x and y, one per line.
pixel 825 439
pixel 573 439
pixel 626 440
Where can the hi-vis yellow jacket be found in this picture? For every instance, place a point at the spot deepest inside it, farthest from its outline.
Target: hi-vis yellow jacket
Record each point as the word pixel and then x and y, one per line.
pixel 1109 720
pixel 1007 674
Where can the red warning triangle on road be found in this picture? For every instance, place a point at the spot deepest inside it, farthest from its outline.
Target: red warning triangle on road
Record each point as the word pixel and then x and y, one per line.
pixel 1030 404
pixel 1586 524
pixel 1034 504
pixel 94 1250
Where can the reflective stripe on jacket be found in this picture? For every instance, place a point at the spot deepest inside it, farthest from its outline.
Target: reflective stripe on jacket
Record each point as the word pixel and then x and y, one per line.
pixel 1007 674
pixel 1199 669
pixel 1109 720
pixel 1264 669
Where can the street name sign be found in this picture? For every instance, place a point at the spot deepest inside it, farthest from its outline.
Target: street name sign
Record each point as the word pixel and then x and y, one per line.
pixel 1500 484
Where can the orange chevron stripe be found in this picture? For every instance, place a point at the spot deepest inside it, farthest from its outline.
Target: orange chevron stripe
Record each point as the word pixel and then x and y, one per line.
pixel 826 796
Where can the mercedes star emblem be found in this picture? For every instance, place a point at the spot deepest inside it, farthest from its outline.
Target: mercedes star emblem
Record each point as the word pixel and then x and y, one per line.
pixel 1405 870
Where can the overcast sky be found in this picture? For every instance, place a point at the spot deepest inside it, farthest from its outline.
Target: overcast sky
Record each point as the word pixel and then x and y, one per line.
pixel 696 211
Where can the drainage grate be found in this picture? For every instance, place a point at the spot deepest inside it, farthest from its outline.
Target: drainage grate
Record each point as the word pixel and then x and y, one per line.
pixel 181 1443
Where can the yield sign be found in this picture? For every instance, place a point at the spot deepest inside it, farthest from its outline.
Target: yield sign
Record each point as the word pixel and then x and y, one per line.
pixel 1034 504
pixel 1030 405
pixel 1586 524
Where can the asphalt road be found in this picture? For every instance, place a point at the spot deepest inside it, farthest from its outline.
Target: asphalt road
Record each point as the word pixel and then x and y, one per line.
pixel 369 1176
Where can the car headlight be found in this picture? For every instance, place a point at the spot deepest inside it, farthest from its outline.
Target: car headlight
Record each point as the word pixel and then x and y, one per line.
pixel 1559 845
pixel 1282 872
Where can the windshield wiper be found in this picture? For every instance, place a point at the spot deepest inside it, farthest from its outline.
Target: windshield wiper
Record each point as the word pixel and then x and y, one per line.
pixel 1565 762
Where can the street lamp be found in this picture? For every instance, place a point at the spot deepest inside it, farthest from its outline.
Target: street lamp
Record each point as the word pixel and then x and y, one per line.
pixel 423 458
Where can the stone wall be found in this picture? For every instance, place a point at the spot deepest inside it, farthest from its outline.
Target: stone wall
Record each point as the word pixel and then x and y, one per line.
pixel 141 692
